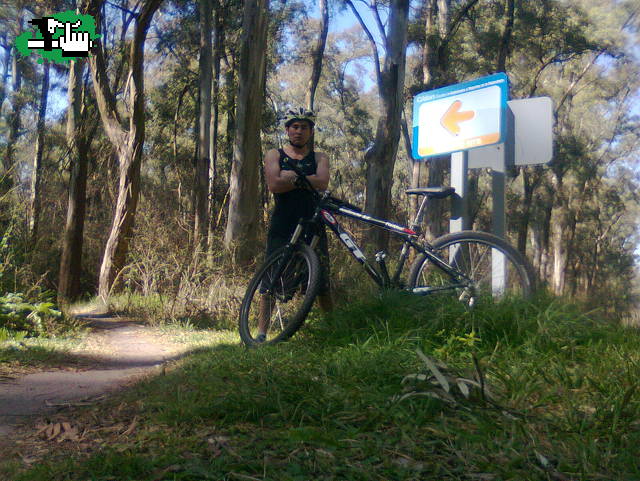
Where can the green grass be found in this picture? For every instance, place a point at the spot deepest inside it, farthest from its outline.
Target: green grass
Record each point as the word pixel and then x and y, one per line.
pixel 325 405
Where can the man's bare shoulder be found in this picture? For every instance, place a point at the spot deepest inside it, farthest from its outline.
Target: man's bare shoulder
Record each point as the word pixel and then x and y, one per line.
pixel 272 154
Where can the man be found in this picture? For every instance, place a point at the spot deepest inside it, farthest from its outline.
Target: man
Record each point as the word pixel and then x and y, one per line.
pixel 292 202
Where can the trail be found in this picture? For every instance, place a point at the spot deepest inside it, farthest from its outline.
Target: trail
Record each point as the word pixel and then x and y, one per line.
pixel 123 350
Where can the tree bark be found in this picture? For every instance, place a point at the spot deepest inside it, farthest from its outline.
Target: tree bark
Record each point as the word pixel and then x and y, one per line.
pixel 36 176
pixel 505 41
pixel 14 118
pixel 215 97
pixel 434 63
pixel 318 55
pixel 78 144
pixel 5 74
pixel 128 143
pixel 242 222
pixel 380 159
pixel 201 183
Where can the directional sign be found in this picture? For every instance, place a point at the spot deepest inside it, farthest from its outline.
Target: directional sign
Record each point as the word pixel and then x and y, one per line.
pixel 529 138
pixel 460 117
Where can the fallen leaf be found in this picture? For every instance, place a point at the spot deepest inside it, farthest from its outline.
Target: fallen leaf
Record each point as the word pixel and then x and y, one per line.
pixel 131 427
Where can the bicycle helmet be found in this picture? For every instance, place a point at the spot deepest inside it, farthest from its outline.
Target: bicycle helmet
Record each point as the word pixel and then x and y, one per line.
pixel 301 113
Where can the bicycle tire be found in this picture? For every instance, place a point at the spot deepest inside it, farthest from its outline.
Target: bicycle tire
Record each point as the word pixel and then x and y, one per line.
pixel 291 298
pixel 467 251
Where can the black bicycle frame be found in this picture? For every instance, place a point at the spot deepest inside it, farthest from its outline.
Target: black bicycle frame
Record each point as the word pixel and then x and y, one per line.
pixel 324 213
pixel 408 235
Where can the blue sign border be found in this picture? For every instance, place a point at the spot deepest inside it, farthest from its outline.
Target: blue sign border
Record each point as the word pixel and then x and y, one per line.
pixel 500 79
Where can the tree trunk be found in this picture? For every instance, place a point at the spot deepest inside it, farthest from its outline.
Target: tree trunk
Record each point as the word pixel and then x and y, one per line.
pixel 127 143
pixel 231 92
pixel 434 62
pixel 242 222
pixel 14 120
pixel 529 185
pixel 201 183
pixel 36 176
pixel 505 41
pixel 559 225
pixel 318 55
pixel 380 159
pixel 5 73
pixel 213 152
pixel 71 261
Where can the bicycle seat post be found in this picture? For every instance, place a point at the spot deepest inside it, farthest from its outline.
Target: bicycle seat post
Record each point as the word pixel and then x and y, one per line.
pixel 417 221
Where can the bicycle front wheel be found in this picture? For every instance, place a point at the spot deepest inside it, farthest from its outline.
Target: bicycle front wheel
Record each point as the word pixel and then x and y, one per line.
pixel 276 304
pixel 486 267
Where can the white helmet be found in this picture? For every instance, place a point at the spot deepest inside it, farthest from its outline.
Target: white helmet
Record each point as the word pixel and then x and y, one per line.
pixel 299 114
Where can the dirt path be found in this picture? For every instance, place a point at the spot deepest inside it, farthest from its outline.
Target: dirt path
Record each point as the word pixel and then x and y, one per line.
pixel 122 350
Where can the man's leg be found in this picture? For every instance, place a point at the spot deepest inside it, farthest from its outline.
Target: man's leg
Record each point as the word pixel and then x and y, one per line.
pixel 325 301
pixel 264 317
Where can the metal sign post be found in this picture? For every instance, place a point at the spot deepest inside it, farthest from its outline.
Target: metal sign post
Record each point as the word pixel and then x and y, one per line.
pixel 459 208
pixel 474 122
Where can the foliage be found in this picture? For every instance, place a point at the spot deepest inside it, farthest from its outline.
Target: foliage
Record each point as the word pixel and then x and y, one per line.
pixel 34 318
pixel 575 217
pixel 560 402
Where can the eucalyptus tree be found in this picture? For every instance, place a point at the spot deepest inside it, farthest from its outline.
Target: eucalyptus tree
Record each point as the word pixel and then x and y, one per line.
pixel 390 74
pixel 127 134
pixel 317 55
pixel 35 200
pixel 203 160
pixel 78 136
pixel 242 222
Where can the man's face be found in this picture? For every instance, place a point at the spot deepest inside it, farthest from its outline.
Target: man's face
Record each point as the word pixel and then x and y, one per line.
pixel 299 132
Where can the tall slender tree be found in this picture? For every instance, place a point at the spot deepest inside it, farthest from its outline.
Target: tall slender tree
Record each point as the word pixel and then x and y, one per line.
pixel 36 175
pixel 204 134
pixel 317 55
pixel 127 141
pixel 380 159
pixel 242 222
pixel 78 143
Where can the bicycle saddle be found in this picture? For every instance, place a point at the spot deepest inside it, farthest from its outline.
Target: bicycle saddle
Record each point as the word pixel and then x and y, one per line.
pixel 432 192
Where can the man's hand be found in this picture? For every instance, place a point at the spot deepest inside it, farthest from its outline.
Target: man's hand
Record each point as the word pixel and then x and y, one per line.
pixel 75 41
pixel 288 176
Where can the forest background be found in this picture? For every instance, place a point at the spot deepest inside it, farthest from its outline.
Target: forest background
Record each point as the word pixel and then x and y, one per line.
pixel 140 169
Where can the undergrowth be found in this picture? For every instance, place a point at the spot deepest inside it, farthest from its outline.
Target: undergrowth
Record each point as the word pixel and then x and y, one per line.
pixel 374 392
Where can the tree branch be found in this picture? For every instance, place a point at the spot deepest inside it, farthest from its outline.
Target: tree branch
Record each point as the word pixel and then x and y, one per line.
pixel 374 47
pixel 455 24
pixel 376 14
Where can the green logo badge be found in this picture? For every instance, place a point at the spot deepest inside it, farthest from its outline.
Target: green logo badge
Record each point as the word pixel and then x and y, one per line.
pixel 62 37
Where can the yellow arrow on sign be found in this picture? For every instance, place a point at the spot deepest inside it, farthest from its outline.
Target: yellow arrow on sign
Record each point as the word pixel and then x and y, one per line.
pixel 453 117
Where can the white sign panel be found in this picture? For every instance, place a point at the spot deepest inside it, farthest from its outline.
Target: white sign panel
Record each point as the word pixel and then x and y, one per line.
pixel 460 117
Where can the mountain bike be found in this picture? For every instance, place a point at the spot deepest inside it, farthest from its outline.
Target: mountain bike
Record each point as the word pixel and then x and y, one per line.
pixel 467 264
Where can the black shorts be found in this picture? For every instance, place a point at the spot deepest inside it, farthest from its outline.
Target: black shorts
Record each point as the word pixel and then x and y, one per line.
pixel 276 239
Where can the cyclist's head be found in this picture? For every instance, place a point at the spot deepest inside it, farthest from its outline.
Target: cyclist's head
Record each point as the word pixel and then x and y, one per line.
pixel 299 124
pixel 299 114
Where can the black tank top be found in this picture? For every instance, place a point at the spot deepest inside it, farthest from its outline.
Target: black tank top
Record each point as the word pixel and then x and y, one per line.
pixel 296 203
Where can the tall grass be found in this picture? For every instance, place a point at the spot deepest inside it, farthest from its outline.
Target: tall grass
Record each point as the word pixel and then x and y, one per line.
pixel 558 401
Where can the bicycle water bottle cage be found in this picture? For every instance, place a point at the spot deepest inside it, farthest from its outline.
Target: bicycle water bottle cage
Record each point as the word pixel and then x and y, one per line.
pixel 432 192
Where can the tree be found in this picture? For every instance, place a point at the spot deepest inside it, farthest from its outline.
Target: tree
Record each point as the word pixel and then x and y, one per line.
pixel 203 160
pixel 127 142
pixel 36 176
pixel 318 54
pixel 78 142
pixel 380 159
pixel 242 222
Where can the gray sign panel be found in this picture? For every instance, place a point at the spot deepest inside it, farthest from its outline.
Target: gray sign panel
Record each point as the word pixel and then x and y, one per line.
pixel 529 141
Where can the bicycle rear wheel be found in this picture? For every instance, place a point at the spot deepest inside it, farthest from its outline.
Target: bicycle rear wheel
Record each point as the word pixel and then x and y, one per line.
pixel 490 268
pixel 278 306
